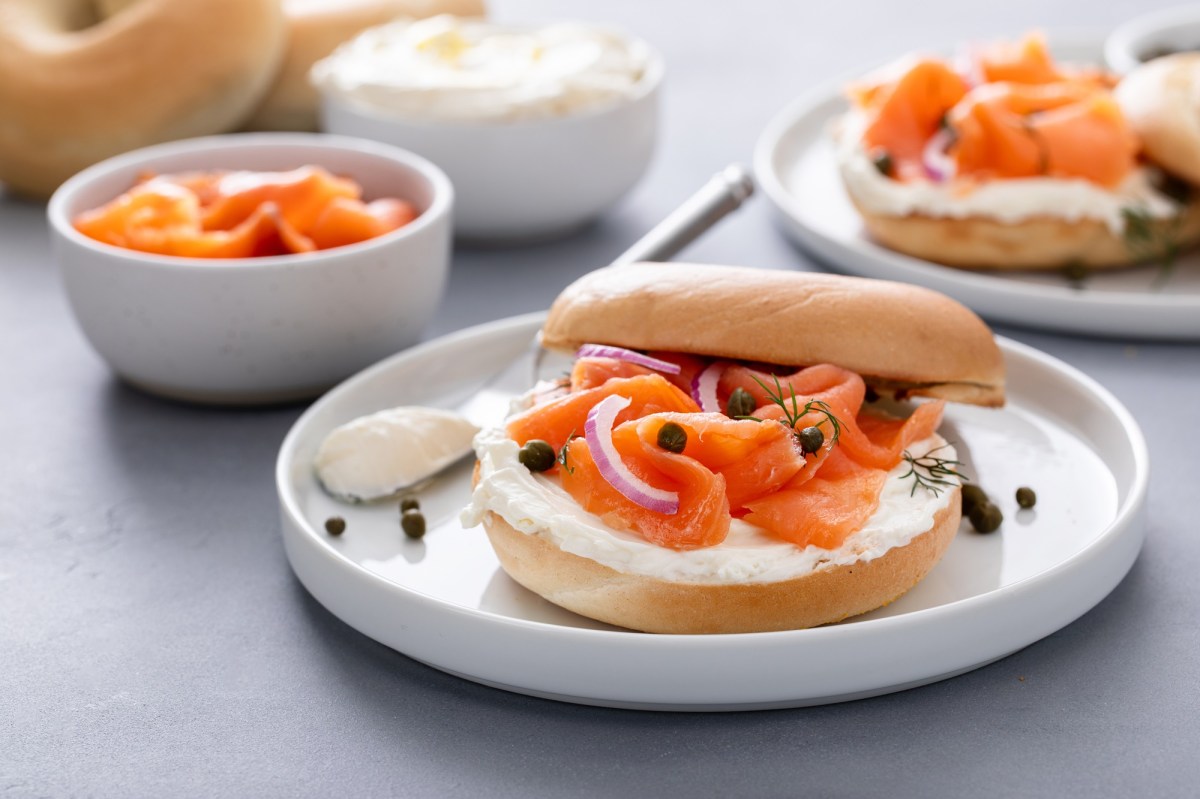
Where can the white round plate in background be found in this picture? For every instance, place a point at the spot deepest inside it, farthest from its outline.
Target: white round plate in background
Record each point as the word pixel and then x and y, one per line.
pixel 445 601
pixel 795 167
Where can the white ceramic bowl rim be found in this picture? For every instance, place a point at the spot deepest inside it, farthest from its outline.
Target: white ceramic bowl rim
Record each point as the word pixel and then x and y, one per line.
pixel 652 78
pixel 441 191
pixel 1127 44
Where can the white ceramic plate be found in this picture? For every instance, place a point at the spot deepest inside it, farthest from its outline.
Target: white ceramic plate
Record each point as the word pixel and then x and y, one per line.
pixel 445 601
pixel 794 164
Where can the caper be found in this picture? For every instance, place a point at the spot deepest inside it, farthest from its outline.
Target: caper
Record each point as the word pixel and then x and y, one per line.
pixel 409 503
pixel 1026 498
pixel 811 439
pixel 413 522
pixel 335 525
pixel 1076 272
pixel 985 517
pixel 972 495
pixel 672 437
pixel 536 455
pixel 882 160
pixel 741 403
pixel 871 395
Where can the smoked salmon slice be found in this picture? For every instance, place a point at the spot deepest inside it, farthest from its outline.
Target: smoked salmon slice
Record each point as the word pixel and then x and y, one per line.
pixel 1007 130
pixel 1025 61
pixel 243 214
pixel 590 372
pixel 905 114
pixel 752 468
pixel 825 509
pixel 561 418
pixel 755 458
pixel 1014 114
pixel 703 516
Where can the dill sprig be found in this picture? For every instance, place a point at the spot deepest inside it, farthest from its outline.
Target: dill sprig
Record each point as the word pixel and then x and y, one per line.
pixel 793 411
pixel 1152 240
pixel 930 471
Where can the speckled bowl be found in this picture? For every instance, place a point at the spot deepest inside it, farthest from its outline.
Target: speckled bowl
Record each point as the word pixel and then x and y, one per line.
pixel 256 330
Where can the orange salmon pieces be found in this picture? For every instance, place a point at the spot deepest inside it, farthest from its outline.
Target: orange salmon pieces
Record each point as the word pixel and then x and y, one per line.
pixel 754 458
pixel 592 371
pixel 1019 115
pixel 825 509
pixel 751 468
pixel 906 113
pixel 703 516
pixel 242 214
pixel 558 419
pixel 1008 130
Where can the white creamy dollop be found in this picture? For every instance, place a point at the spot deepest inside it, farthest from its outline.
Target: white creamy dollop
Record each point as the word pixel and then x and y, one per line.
pixel 1009 200
pixel 538 505
pixel 446 68
pixel 376 455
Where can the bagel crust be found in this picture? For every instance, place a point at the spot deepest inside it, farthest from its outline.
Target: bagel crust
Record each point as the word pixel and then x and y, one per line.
pixel 638 602
pixel 1041 242
pixel 1159 100
pixel 902 339
pixel 154 71
pixel 315 29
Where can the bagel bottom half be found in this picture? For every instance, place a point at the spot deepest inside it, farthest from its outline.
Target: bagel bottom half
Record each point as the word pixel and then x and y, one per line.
pixel 639 602
pixel 1043 242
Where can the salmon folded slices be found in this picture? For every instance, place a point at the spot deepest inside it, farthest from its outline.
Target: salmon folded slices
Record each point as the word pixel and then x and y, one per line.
pixel 752 467
pixel 243 214
pixel 1008 112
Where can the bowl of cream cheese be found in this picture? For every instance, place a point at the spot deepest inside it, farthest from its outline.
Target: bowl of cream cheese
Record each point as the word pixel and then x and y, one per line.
pixel 539 129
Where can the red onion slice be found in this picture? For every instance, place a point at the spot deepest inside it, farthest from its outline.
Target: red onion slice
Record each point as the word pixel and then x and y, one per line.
pixel 622 354
pixel 598 433
pixel 938 164
pixel 704 387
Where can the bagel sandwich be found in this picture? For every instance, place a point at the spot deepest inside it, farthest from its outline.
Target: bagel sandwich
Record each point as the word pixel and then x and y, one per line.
pixel 1003 159
pixel 735 450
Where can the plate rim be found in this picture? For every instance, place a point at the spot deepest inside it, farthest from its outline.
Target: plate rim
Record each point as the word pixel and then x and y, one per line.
pixel 812 102
pixel 1127 511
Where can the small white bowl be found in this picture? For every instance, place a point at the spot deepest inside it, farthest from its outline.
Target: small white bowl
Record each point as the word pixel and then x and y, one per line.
pixel 256 330
pixel 525 179
pixel 1141 38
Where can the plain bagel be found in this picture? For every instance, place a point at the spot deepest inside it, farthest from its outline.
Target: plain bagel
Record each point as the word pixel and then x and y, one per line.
pixel 315 29
pixel 1161 100
pixel 640 602
pixel 900 338
pixel 1042 242
pixel 78 85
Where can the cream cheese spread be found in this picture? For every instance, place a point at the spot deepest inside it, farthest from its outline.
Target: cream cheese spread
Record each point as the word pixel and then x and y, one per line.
pixel 1009 200
pixel 376 455
pixel 450 69
pixel 538 505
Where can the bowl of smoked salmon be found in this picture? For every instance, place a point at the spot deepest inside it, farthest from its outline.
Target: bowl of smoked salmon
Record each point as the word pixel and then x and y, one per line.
pixel 253 268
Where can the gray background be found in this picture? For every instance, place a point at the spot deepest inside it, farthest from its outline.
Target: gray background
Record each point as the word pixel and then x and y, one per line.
pixel 154 642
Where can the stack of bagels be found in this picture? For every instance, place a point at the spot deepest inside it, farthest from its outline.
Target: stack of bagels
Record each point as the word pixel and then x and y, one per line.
pixel 83 80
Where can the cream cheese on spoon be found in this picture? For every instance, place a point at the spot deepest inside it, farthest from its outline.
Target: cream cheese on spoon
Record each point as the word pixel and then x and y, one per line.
pixel 378 455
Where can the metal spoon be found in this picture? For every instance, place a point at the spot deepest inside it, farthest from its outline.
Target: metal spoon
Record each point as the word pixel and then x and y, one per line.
pixel 723 193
